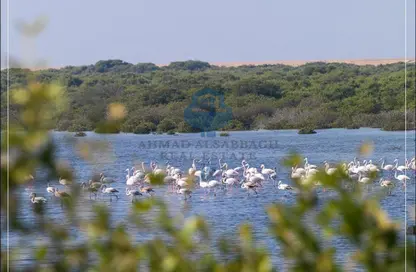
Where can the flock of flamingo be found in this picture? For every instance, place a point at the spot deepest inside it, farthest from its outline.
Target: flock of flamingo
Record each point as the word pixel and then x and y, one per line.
pixel 249 178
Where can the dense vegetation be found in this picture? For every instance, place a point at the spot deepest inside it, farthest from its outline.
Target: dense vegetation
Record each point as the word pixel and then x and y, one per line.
pixel 376 241
pixel 315 95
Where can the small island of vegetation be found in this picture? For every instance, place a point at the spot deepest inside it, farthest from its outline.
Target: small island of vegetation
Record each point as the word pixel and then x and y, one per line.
pixel 224 134
pixel 306 131
pixel 80 134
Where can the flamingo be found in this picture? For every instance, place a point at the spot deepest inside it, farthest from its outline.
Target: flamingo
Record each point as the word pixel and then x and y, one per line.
pixel 90 189
pixel 94 184
pixel 169 180
pixel 50 189
pixel 412 164
pixel 274 177
pixel 229 182
pixel 294 174
pixel 311 172
pixel 402 167
pixel 240 168
pixel 184 191
pixel 283 186
pixel 217 173
pixel 203 184
pixel 230 172
pixel 364 180
pixel 328 170
pixel 37 199
pixel 62 195
pixel 387 184
pixel 181 181
pixel 266 171
pixel 206 170
pixel 138 173
pixel 133 194
pixel 401 178
pixel 110 191
pixel 387 167
pixel 131 180
pixel 213 184
pixel 158 171
pixel 192 170
pixel 147 189
pixel 371 167
pixel 300 170
pixel 309 166
pixel 250 186
pixel 64 182
pixel 104 179
pixel 256 178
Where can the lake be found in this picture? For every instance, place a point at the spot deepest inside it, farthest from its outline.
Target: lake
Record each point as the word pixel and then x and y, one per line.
pixel 224 212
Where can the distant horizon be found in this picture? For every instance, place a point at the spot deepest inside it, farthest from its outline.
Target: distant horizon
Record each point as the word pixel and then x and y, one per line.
pixel 364 61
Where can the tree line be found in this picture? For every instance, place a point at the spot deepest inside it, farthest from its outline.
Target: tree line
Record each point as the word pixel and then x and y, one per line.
pixel 314 95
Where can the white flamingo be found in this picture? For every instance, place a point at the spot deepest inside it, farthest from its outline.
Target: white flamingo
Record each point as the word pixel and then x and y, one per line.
pixel 387 184
pixel 230 172
pixel 300 170
pixel 203 184
pixel 295 175
pixel 309 166
pixel 133 194
pixel 402 178
pixel 170 180
pixel 229 182
pixel 131 180
pixel 387 167
pixel 328 170
pixel 50 189
pixel 266 171
pixel 283 186
pixel 192 170
pixel 109 191
pixel 364 180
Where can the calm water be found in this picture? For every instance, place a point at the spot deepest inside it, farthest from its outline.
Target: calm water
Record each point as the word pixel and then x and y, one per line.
pixel 223 212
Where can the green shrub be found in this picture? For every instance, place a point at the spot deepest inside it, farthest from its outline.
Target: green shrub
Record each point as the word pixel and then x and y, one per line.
pixel 80 134
pixel 224 134
pixel 144 128
pixel 307 130
pixel 352 126
pixel 108 128
pixel 165 125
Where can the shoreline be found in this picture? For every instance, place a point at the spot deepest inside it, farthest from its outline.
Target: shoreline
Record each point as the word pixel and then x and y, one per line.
pixel 232 131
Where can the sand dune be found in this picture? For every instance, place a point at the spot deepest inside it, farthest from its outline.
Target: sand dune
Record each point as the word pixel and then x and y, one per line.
pixel 287 62
pixel 302 62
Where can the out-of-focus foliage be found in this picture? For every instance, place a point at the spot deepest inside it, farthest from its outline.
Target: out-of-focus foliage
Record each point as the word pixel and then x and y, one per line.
pixel 109 247
pixel 315 95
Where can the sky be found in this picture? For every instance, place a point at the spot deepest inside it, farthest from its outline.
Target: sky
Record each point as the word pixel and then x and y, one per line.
pixel 82 32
